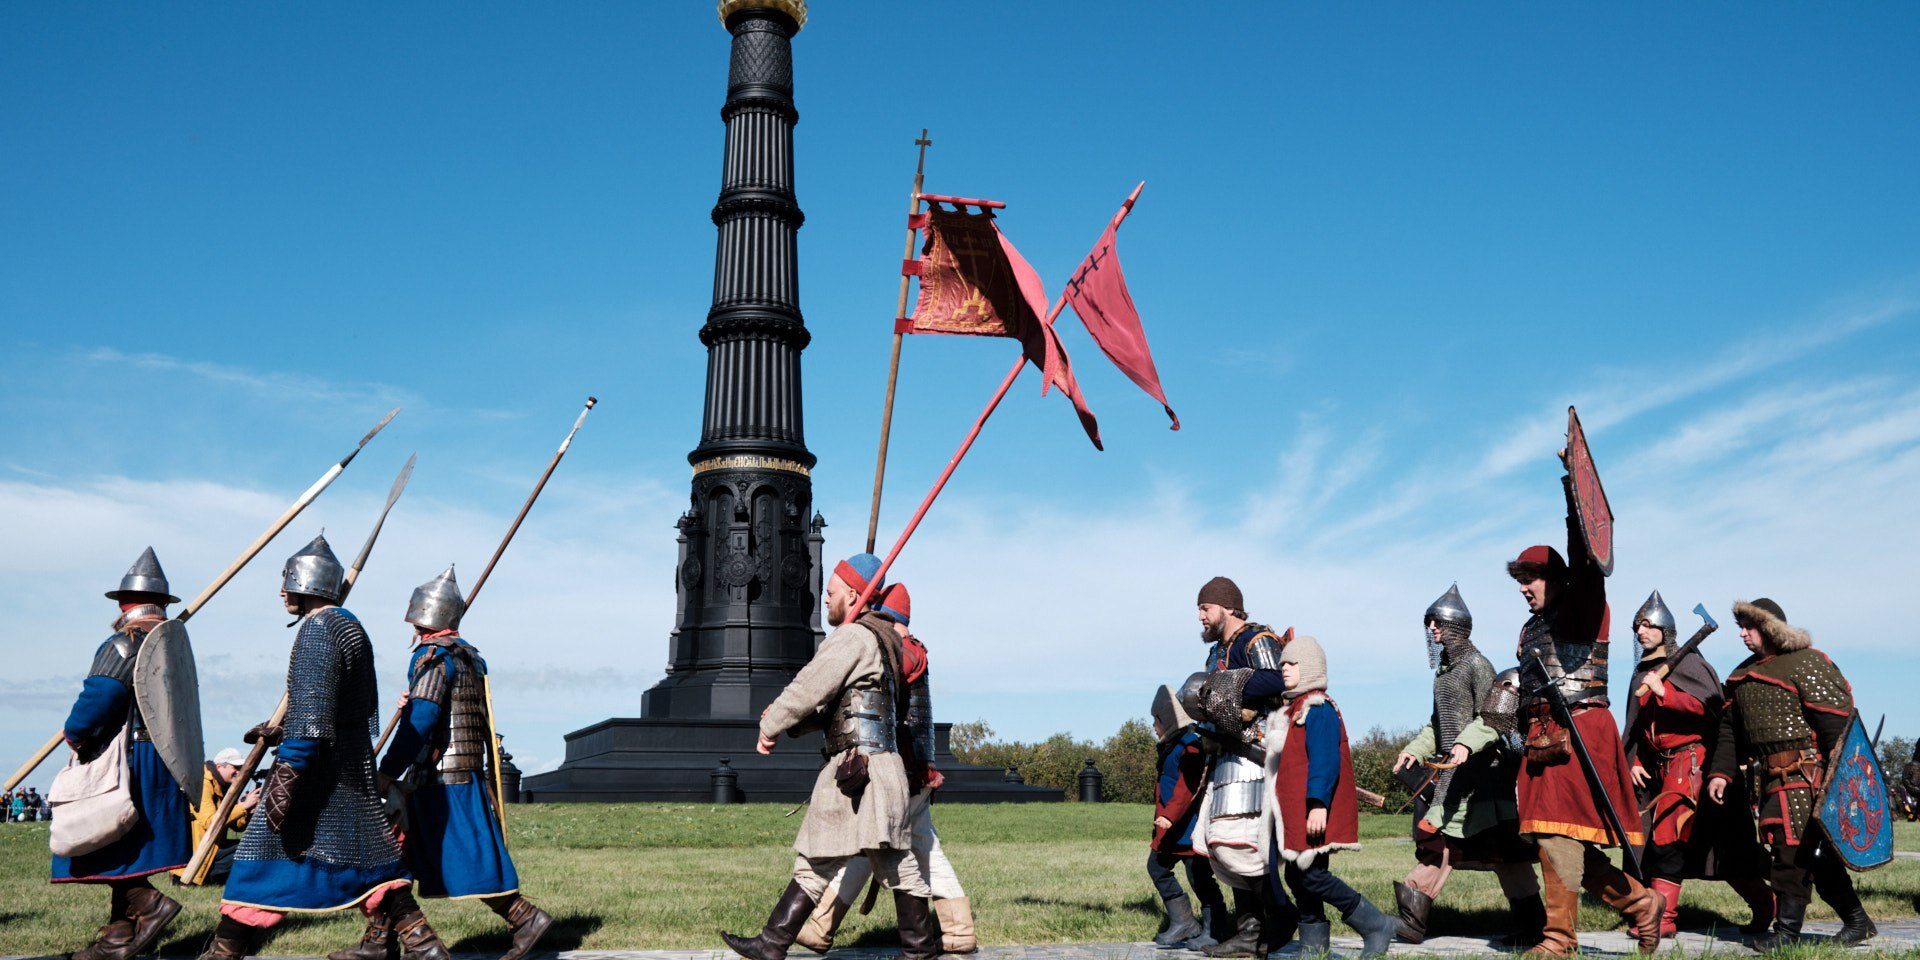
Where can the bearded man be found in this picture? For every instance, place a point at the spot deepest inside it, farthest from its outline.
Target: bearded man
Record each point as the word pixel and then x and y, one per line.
pixel 1788 709
pixel 1671 724
pixel 855 686
pixel 1564 645
pixel 1471 822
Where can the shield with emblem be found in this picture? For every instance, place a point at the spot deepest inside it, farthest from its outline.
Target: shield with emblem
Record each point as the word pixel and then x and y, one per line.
pixel 1590 499
pixel 167 687
pixel 1854 809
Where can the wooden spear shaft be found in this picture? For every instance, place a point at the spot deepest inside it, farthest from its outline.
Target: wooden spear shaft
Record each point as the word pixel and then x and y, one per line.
pixel 893 362
pixel 217 826
pixel 312 493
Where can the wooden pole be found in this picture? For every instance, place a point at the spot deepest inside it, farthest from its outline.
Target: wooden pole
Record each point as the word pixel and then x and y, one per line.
pixel 522 515
pixel 893 362
pixel 253 549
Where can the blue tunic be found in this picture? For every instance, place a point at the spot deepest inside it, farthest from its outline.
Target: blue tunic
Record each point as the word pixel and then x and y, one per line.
pixel 454 844
pixel 161 837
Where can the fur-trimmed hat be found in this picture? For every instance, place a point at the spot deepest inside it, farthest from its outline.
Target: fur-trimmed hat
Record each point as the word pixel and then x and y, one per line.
pixel 1304 652
pixel 1223 592
pixel 1538 562
pixel 1766 616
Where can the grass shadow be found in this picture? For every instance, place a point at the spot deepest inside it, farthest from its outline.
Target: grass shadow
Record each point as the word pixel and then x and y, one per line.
pixel 567 933
pixel 186 937
pixel 1488 925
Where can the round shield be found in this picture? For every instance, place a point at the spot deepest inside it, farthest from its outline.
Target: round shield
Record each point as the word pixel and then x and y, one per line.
pixel 167 687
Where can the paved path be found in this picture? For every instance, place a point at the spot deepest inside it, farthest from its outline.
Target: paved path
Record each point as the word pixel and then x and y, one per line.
pixel 1894 935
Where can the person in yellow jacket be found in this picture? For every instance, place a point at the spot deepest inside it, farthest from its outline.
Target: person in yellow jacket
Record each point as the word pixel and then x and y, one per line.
pixel 221 771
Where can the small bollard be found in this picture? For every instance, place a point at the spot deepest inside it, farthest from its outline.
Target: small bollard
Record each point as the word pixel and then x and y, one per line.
pixel 1090 779
pixel 1013 776
pixel 724 779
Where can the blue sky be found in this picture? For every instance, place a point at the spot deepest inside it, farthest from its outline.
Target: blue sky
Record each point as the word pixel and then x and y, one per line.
pixel 1380 249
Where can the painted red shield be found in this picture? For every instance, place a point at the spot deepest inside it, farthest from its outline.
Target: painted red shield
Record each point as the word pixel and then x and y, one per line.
pixel 1596 516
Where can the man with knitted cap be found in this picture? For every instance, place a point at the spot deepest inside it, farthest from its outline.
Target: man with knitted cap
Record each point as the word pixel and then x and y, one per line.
pixel 1564 643
pixel 855 688
pixel 1227 829
pixel 950 904
pixel 1788 709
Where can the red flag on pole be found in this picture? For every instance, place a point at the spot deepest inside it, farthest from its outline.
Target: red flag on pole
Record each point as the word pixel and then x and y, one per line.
pixel 973 282
pixel 1098 294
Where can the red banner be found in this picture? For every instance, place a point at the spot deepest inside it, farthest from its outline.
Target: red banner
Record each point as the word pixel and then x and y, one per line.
pixel 967 284
pixel 1099 296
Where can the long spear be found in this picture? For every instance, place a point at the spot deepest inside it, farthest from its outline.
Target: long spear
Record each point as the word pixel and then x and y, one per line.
pixel 312 493
pixel 899 333
pixel 217 826
pixel 512 529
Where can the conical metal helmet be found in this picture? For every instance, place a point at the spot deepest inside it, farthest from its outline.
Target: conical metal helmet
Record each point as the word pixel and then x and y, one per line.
pixel 145 576
pixel 1655 613
pixel 314 571
pixel 1450 608
pixel 436 604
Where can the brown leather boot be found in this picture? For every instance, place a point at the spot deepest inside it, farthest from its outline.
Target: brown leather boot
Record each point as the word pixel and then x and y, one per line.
pixel 140 914
pixel 375 944
pixel 824 922
pixel 1563 915
pixel 525 921
pixel 417 939
pixel 232 940
pixel 956 925
pixel 918 939
pixel 1641 905
pixel 783 924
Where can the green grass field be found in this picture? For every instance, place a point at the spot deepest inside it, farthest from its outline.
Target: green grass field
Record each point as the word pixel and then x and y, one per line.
pixel 657 876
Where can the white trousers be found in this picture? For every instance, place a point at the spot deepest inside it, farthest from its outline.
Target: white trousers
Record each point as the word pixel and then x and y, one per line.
pixel 932 873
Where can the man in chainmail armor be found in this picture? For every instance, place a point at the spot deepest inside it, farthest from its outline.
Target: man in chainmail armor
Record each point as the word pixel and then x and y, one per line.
pixel 1471 822
pixel 158 838
pixel 442 754
pixel 1564 644
pixel 1672 721
pixel 951 906
pixel 320 842
pixel 1228 828
pixel 1788 709
pixel 855 689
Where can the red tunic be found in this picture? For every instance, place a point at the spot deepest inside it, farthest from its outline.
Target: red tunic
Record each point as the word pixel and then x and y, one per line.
pixel 1554 798
pixel 1674 728
pixel 1290 786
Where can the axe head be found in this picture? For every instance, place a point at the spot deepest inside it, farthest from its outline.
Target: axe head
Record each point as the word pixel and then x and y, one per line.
pixel 1700 610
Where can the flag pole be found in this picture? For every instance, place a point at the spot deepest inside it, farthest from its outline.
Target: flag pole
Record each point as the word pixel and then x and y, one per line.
pixel 1006 384
pixel 893 363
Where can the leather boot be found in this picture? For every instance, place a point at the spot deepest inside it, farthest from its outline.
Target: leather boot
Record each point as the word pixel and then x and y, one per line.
pixel 1528 915
pixel 1669 891
pixel 525 921
pixel 140 914
pixel 789 914
pixel 1245 941
pixel 375 944
pixel 818 932
pixel 232 940
pixel 1181 923
pixel 1414 908
pixel 417 939
pixel 1316 937
pixel 1562 905
pixel 956 925
pixel 1759 898
pixel 918 939
pixel 1855 926
pixel 1788 915
pixel 1376 929
pixel 1642 906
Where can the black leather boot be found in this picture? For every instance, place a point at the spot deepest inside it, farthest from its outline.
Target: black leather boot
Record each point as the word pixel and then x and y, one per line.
pixel 1246 941
pixel 1788 915
pixel 1855 926
pixel 1414 908
pixel 919 940
pixel 1376 929
pixel 1529 918
pixel 1182 925
pixel 788 916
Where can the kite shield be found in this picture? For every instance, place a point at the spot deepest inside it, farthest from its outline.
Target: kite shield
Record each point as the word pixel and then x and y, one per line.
pixel 1854 810
pixel 1596 516
pixel 166 685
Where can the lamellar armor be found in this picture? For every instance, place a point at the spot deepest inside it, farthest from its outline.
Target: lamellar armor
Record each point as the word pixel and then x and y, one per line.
pixel 333 811
pixel 1578 669
pixel 920 718
pixel 452 674
pixel 868 718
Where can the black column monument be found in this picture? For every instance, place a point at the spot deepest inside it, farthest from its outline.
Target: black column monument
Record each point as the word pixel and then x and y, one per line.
pixel 750 571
